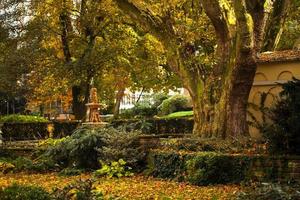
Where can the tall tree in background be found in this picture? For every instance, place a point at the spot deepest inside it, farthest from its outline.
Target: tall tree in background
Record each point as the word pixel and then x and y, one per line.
pixel 219 95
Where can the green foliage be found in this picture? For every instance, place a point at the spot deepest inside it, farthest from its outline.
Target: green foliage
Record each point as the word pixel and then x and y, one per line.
pixel 174 104
pixel 50 142
pixel 22 118
pixel 282 134
pixel 114 169
pixel 18 192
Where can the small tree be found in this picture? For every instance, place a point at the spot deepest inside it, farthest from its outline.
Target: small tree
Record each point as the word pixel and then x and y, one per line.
pixel 283 133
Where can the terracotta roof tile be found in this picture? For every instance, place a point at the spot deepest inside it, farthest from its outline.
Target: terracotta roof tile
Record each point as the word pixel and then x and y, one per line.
pixel 279 56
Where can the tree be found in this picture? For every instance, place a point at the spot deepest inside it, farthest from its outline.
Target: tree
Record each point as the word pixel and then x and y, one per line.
pixel 219 95
pixel 87 40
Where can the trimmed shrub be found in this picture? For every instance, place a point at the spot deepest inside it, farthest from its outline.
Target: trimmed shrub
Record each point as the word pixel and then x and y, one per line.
pixel 19 192
pixel 207 168
pixel 24 131
pixel 22 118
pixel 36 130
pixel 157 126
pixel 174 104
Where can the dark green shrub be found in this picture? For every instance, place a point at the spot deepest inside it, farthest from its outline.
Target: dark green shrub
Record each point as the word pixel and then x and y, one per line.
pixel 166 165
pixel 158 98
pixel 200 168
pixel 120 144
pixel 79 150
pixel 87 145
pixel 157 126
pixel 212 168
pixel 18 192
pixel 22 118
pixel 283 134
pixel 174 104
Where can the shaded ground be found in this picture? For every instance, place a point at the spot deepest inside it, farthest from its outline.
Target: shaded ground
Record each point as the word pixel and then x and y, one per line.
pixel 137 187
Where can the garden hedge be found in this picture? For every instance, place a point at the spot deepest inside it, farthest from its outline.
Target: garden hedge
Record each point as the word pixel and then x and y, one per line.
pixel 157 126
pixel 207 168
pixel 36 130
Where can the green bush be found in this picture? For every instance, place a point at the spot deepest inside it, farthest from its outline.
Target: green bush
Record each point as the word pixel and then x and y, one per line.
pixel 158 98
pixel 174 104
pixel 22 118
pixel 144 109
pixel 19 192
pixel 283 133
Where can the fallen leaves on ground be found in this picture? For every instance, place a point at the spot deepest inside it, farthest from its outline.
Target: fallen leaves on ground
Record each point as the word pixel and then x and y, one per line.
pixel 137 187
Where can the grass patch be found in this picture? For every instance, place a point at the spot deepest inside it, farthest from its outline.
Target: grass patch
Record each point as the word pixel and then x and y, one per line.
pixel 179 114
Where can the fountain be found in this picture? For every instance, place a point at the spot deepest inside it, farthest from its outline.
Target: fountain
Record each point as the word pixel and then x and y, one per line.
pixel 93 116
